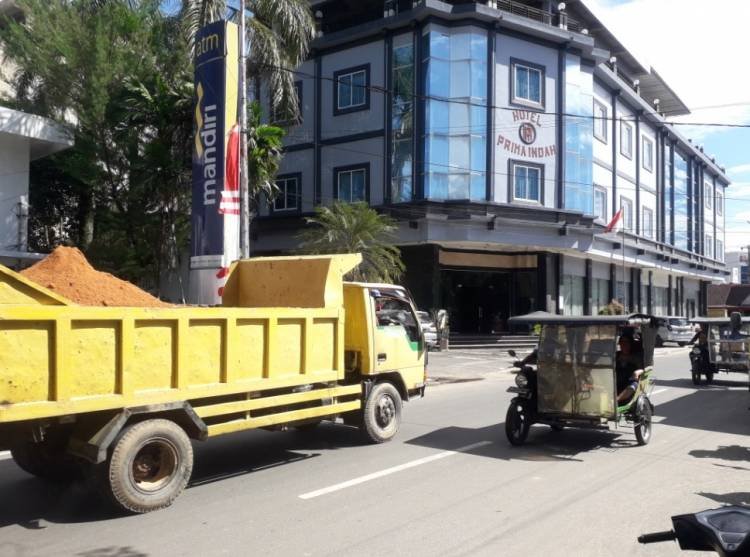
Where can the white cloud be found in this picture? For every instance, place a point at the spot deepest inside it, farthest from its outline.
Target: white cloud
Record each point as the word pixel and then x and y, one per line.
pixel 739 169
pixel 696 46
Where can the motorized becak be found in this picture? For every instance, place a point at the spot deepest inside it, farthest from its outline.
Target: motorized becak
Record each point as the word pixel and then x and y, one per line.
pixel 576 375
pixel 723 344
pixel 725 531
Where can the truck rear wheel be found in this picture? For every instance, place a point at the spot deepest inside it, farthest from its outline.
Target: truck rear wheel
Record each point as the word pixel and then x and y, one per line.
pixel 149 466
pixel 44 462
pixel 382 413
pixel 48 459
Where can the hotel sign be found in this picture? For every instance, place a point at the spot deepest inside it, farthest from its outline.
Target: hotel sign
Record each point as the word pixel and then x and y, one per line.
pixel 524 146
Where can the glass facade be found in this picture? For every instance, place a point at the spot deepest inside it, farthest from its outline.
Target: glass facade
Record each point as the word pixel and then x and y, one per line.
pixel 599 295
pixel 454 68
pixel 680 202
pixel 667 195
pixel 579 133
pixel 402 114
pixel 572 291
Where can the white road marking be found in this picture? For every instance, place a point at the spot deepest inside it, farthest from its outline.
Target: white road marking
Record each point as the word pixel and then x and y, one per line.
pixel 392 470
pixel 5 455
pixel 657 391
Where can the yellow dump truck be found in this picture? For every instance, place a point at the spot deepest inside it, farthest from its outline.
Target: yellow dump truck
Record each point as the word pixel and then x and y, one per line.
pixel 120 392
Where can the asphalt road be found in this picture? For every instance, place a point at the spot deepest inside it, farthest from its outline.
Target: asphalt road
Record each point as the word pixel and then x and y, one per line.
pixel 448 485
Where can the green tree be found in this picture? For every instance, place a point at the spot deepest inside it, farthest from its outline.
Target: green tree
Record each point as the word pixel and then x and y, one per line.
pixel 117 75
pixel 279 34
pixel 264 149
pixel 356 228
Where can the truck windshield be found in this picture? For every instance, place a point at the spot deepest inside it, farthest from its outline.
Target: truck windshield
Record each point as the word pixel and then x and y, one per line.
pixel 393 311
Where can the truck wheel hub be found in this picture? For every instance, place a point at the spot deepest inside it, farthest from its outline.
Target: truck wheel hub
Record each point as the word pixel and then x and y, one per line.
pixel 386 411
pixel 154 465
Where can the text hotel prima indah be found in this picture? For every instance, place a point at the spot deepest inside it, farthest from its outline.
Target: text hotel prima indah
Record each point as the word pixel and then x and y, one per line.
pixel 527 135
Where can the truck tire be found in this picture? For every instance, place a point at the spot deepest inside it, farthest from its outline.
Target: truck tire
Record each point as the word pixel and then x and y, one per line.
pixel 381 417
pixel 148 468
pixel 47 460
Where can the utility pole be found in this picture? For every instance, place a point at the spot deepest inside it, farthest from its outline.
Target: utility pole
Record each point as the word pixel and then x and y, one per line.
pixel 244 193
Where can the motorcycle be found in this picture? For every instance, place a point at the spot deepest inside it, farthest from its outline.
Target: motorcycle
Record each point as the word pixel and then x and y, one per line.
pixel 700 364
pixel 725 530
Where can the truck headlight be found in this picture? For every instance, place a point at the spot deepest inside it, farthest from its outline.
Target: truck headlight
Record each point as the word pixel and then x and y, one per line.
pixel 522 381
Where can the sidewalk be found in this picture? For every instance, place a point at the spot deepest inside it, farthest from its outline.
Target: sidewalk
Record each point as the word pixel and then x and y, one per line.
pixel 455 366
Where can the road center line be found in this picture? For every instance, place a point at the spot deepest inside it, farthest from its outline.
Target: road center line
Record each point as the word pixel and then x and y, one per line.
pixel 392 470
pixel 657 391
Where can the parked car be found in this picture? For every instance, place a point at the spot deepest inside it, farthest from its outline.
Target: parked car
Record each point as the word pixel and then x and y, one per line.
pixel 428 329
pixel 674 329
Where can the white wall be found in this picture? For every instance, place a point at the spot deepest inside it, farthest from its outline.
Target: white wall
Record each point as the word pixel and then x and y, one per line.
pixel 14 183
pixel 509 118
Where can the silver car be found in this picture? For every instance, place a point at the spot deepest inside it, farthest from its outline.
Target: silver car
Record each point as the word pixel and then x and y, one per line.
pixel 674 329
pixel 428 329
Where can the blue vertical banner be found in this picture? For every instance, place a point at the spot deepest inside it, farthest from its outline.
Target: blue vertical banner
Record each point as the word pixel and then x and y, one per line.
pixel 215 106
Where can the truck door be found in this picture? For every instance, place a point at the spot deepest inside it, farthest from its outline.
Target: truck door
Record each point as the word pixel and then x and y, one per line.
pixel 398 343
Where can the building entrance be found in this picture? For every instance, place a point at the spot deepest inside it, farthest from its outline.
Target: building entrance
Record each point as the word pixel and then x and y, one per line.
pixel 481 301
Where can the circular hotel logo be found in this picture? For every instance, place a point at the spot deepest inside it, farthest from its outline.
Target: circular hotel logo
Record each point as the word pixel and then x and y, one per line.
pixel 527 133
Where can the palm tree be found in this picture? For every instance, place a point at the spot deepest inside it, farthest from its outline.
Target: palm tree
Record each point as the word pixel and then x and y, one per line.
pixel 279 34
pixel 356 228
pixel 264 152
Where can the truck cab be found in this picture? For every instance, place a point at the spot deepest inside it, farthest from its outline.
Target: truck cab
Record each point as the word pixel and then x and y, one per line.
pixel 383 337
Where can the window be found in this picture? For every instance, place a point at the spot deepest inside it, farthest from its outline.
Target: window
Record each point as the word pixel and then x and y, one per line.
pixel 394 313
pixel 600 121
pixel 648 223
pixel 599 295
pixel 573 292
pixel 600 203
pixel 626 139
pixel 527 182
pixel 288 196
pixel 351 90
pixel 627 213
pixel 719 250
pixel 709 246
pixel 648 154
pixel 527 84
pixel 719 203
pixel 279 114
pixel 708 192
pixel 454 69
pixel 352 183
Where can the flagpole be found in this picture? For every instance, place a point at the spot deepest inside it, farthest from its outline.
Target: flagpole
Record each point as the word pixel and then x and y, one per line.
pixel 244 194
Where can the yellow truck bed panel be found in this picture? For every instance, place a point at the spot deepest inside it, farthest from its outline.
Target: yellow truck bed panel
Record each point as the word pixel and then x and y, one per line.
pixel 71 359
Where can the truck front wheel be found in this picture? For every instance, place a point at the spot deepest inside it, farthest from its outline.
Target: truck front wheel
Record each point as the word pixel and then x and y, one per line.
pixel 149 466
pixel 382 413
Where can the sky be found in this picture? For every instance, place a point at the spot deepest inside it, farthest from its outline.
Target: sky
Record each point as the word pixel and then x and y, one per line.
pixel 700 49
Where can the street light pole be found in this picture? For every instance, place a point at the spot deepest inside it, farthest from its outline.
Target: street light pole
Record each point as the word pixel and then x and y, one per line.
pixel 244 193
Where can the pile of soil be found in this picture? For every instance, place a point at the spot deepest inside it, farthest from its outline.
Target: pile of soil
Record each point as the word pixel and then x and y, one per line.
pixel 67 272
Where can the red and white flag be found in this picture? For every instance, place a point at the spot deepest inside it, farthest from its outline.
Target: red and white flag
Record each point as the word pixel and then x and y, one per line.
pixel 614 224
pixel 230 196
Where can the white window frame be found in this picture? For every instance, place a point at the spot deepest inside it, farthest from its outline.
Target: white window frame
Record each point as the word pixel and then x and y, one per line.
pixel 708 193
pixel 626 205
pixel 719 202
pixel 650 232
pixel 719 250
pixel 540 172
pixel 283 194
pixel 650 166
pixel 709 246
pixel 351 172
pixel 339 81
pixel 625 126
pixel 515 98
pixel 603 216
pixel 601 119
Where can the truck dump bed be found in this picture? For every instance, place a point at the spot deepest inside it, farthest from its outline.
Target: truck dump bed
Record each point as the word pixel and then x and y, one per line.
pixel 281 325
